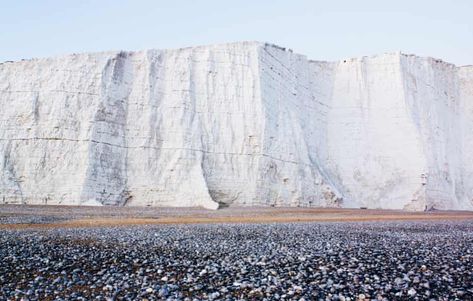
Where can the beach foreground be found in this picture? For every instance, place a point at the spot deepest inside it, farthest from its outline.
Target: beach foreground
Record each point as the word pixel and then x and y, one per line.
pixel 70 253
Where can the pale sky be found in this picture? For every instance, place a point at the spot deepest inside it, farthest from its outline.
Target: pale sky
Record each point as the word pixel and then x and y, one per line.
pixel 322 30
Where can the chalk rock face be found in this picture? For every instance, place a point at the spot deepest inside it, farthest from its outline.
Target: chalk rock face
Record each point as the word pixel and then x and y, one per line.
pixel 236 124
pixel 395 130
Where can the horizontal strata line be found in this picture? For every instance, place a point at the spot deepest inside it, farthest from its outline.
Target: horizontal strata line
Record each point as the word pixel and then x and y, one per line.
pixel 50 91
pixel 158 148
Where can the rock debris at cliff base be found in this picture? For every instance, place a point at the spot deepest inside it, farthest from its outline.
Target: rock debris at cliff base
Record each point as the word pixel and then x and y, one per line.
pixel 306 261
pixel 239 124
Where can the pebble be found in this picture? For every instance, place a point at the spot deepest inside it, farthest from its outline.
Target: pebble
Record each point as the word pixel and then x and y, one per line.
pixel 298 261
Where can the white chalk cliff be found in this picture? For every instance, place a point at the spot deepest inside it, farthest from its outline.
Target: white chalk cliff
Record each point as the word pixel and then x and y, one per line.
pixel 236 124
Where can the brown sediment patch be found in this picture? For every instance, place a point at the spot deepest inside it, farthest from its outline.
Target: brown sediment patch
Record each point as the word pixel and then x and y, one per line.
pixel 273 215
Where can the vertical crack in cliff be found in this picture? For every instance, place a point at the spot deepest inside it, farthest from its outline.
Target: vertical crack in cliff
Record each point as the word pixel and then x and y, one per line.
pixel 10 183
pixel 419 199
pixel 106 175
pixel 205 198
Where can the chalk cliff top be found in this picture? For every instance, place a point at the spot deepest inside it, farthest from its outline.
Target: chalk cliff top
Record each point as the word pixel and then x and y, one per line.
pixel 247 43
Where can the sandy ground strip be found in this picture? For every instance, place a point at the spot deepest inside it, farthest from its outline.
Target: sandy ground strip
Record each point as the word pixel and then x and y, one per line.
pixel 38 216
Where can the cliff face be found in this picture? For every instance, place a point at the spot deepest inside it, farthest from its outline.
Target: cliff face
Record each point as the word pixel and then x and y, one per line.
pixel 395 131
pixel 236 124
